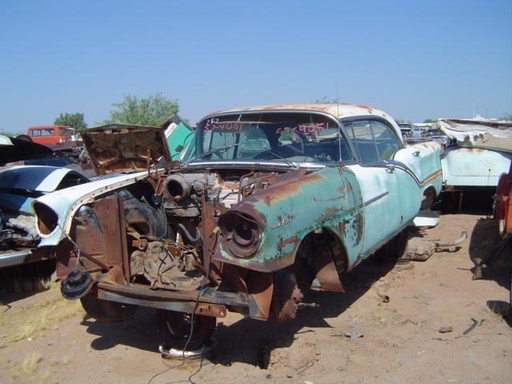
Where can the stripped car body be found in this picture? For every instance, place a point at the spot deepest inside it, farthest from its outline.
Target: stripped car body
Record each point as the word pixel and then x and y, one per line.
pixel 266 204
pixel 19 186
pixel 478 153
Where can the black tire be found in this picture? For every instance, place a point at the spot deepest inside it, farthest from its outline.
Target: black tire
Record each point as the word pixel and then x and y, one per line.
pixel 107 311
pixel 178 326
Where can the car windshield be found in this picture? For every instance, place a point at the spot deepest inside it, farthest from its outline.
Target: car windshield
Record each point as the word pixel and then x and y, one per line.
pixel 292 137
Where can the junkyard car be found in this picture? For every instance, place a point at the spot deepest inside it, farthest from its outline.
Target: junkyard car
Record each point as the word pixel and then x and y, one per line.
pixel 478 153
pixel 266 204
pixel 19 185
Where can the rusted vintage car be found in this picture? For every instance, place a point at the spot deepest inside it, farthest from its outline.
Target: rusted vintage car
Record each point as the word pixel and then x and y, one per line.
pixel 266 204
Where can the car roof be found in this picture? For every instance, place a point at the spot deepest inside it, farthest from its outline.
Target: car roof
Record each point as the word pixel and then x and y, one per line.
pixel 337 110
pixel 49 126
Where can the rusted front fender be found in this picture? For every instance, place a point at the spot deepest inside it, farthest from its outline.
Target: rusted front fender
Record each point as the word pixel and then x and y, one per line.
pixel 288 211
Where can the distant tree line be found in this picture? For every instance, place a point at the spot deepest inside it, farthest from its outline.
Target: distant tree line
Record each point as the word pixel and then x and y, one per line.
pixel 73 120
pixel 153 110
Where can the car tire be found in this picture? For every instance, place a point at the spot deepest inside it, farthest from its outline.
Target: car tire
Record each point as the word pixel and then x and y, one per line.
pixel 185 331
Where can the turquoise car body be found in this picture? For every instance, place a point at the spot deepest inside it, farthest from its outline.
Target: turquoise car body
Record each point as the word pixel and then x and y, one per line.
pixel 264 203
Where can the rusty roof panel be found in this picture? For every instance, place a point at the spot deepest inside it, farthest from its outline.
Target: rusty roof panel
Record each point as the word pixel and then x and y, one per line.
pixel 338 110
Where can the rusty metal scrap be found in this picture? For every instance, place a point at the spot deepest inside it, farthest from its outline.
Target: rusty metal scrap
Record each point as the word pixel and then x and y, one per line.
pixel 421 250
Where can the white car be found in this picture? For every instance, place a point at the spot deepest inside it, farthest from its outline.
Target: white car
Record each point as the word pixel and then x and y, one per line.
pixel 19 186
pixel 479 151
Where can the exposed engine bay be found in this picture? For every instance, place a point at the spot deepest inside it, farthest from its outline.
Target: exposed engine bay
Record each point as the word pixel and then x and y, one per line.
pixel 175 260
pixel 171 226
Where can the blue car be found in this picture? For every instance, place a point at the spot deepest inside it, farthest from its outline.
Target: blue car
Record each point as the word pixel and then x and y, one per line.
pixel 263 205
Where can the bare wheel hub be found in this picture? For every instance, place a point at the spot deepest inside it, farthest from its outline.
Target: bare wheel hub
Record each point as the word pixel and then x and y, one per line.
pixel 287 296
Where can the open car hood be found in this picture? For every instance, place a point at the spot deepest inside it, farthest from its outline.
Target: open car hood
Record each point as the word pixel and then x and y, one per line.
pixel 125 148
pixel 12 150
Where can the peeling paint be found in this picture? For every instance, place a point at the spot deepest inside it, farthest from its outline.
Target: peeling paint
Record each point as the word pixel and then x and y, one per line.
pixel 236 228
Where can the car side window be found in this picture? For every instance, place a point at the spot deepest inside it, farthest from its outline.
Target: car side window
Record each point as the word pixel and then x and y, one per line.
pixel 386 142
pixel 373 140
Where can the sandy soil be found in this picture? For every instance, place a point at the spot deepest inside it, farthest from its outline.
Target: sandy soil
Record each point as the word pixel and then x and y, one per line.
pixel 422 322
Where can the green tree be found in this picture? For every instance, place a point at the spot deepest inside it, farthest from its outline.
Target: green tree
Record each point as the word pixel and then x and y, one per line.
pixel 430 121
pixel 73 120
pixel 153 110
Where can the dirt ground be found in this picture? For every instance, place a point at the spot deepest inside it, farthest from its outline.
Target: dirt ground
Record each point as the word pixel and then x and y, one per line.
pixel 421 322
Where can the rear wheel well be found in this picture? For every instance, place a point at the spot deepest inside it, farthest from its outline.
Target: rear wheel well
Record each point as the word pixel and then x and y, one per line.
pixel 429 196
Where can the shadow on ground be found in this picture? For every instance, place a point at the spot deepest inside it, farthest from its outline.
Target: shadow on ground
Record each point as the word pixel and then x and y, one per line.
pixel 252 341
pixel 492 256
pixel 138 332
pixel 246 341
pixel 20 281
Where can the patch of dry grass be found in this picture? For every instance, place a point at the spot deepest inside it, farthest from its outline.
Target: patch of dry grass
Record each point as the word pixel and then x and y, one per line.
pixel 31 362
pixel 29 370
pixel 30 322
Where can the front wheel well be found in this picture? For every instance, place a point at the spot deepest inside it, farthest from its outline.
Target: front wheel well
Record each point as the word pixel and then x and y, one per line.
pixel 320 260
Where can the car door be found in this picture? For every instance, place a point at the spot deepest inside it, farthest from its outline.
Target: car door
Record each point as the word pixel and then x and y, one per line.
pixel 380 181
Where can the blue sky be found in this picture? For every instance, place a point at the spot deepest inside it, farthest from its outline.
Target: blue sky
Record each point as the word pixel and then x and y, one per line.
pixel 413 59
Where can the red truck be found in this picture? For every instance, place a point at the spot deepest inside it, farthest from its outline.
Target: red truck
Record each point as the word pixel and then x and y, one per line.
pixel 51 135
